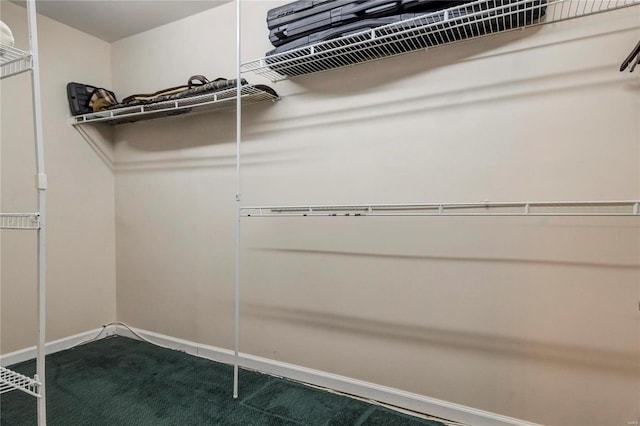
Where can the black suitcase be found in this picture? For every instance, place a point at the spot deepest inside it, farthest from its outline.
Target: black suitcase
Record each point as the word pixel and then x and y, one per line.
pixel 300 9
pixel 344 30
pixel 79 95
pixel 85 99
pixel 341 13
pixel 502 16
pixel 310 17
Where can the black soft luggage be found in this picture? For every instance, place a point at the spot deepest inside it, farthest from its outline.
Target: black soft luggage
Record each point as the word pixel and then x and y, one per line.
pixel 196 85
pixel 306 17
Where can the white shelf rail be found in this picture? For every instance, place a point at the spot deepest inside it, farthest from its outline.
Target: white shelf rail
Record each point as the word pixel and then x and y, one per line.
pixel 20 221
pixel 222 99
pixel 11 381
pixel 487 208
pixel 13 61
pixel 467 21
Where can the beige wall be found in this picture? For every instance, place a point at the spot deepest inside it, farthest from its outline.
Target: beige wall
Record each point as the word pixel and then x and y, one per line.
pixel 81 234
pixel 534 318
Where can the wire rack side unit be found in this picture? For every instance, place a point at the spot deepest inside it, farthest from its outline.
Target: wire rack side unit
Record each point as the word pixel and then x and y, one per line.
pixel 464 22
pixel 223 99
pixel 20 221
pixel 11 381
pixel 13 61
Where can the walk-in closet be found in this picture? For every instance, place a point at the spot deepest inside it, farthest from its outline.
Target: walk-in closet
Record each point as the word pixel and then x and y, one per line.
pixel 327 212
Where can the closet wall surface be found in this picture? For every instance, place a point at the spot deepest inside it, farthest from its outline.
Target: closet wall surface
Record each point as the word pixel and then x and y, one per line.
pixel 534 318
pixel 175 185
pixel 80 232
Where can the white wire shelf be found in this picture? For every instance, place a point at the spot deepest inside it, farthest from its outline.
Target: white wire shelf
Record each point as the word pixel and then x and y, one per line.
pixel 213 101
pixel 550 208
pixel 468 21
pixel 13 61
pixel 10 381
pixel 20 221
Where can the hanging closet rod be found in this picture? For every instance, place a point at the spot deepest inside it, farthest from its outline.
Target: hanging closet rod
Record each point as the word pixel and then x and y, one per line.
pixel 488 208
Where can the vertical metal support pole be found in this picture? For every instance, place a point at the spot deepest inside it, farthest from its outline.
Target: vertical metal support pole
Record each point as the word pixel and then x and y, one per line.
pixel 41 184
pixel 236 321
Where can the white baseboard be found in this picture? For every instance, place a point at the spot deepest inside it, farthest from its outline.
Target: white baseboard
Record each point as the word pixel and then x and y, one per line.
pixel 384 394
pixel 55 346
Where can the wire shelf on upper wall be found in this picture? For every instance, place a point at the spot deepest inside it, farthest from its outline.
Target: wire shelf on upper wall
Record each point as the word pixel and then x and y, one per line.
pixel 212 101
pixel 13 61
pixel 464 22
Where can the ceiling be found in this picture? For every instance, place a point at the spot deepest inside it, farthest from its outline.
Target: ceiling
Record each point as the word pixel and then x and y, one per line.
pixel 112 20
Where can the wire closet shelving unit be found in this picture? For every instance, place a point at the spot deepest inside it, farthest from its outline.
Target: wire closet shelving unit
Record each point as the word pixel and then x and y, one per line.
pixel 208 102
pixel 482 18
pixel 13 62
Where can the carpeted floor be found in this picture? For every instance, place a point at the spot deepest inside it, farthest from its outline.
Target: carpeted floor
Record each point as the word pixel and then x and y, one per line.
pixel 120 381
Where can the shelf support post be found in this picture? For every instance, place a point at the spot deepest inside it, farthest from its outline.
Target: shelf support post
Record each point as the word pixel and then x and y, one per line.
pixel 41 185
pixel 236 322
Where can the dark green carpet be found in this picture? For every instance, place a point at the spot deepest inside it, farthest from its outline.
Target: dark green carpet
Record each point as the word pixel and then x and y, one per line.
pixel 120 381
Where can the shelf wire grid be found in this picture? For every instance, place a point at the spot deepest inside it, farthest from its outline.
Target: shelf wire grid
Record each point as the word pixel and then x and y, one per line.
pixel 222 99
pixel 13 61
pixel 11 381
pixel 629 208
pixel 20 221
pixel 464 22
